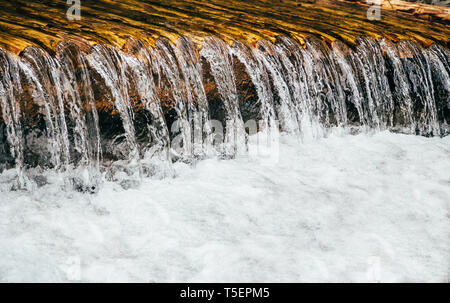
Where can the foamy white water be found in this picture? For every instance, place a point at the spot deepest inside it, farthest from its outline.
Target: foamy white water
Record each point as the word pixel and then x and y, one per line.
pixel 363 208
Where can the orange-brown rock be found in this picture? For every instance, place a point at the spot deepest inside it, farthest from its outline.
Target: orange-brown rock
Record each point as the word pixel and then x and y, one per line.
pixel 44 23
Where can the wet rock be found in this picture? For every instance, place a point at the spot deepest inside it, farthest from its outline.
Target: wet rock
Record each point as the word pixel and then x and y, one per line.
pixel 40 180
pixel 6 160
pixel 82 186
pixel 249 104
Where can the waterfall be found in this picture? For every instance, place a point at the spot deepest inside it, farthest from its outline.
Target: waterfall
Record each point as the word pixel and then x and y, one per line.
pixel 10 84
pixel 153 136
pixel 260 78
pixel 83 111
pixel 285 107
pixel 191 69
pixel 92 111
pixel 46 74
pixel 218 55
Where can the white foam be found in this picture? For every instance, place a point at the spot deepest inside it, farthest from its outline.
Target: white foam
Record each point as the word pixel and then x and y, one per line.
pixel 343 208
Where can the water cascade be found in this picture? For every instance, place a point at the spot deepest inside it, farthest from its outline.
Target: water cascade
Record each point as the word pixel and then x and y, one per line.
pixel 131 112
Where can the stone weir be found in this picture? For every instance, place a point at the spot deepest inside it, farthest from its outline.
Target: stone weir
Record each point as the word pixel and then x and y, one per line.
pixel 134 80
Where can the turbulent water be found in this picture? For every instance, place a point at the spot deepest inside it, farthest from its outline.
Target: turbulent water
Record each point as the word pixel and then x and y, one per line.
pixel 363 208
pixel 96 112
pixel 288 161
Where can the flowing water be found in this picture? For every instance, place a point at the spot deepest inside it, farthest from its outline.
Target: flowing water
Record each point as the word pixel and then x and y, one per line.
pixel 98 112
